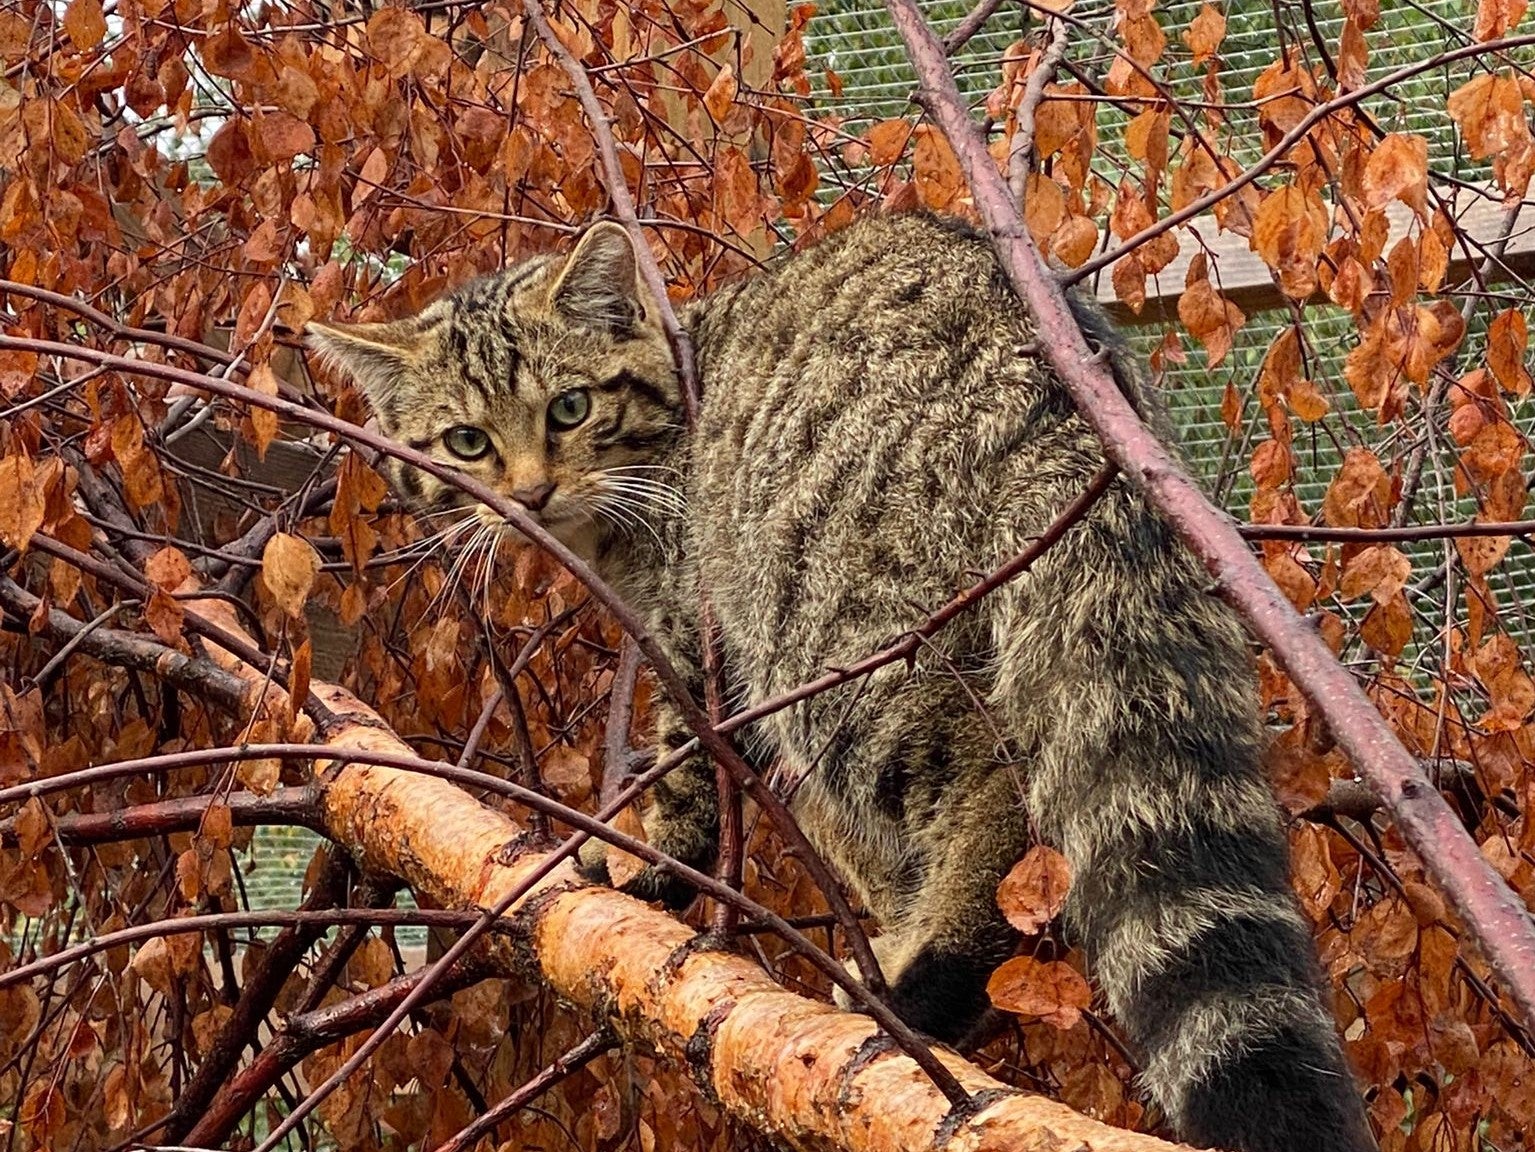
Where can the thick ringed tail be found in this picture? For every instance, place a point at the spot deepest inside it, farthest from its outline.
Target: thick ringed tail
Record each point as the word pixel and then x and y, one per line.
pixel 1134 688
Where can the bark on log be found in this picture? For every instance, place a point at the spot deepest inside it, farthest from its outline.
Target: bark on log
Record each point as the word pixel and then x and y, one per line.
pixel 815 1076
pixel 812 1074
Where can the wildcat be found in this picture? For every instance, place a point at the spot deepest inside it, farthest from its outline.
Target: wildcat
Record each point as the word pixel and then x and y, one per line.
pixel 877 426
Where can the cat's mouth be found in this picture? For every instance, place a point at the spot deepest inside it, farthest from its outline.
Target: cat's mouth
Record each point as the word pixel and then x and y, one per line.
pixel 561 518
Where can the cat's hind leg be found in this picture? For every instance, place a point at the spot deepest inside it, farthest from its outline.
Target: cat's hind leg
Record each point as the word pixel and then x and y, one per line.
pixel 940 950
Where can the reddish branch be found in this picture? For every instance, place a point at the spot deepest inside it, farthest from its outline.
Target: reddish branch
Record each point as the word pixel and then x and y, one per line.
pixel 1494 915
pixel 565 1065
pixel 1308 532
pixel 286 806
pixel 306 1033
pixel 258 996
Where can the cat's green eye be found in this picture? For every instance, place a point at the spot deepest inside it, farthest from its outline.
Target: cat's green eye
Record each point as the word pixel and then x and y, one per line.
pixel 569 408
pixel 466 441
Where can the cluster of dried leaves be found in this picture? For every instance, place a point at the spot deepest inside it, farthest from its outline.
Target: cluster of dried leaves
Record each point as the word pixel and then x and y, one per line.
pixel 186 183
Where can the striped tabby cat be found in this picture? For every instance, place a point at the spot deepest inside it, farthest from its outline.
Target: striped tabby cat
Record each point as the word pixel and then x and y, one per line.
pixel 877 427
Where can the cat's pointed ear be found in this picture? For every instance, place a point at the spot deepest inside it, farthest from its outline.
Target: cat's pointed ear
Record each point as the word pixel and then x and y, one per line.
pixel 374 356
pixel 599 286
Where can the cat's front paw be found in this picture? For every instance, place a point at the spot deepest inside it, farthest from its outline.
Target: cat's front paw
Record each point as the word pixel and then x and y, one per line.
pixel 592 863
pixel 661 885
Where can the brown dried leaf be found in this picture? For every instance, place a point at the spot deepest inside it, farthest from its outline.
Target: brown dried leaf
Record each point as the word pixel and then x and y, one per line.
pixel 259 776
pixel 165 616
pixel 1210 318
pixel 1298 585
pixel 152 964
pixel 22 501
pixel 935 170
pixel 32 829
pixel 395 38
pixel 1288 234
pixel 1360 494
pixel 1379 571
pixel 282 135
pixel 1306 401
pixel 288 568
pixel 1490 112
pixel 1205 32
pixel 1074 241
pixel 1033 893
pixel 1051 991
pixel 721 94
pixel 168 569
pixel 887 141
pixel 1044 207
pixel 263 420
pixel 1496 18
pixel 1507 338
pixel 85 23
pixel 1398 169
pixel 1388 627
pixel 228 54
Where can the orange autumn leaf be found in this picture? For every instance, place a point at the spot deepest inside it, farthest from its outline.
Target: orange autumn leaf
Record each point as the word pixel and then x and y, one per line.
pixel 1288 234
pixel 1050 991
pixel 168 569
pixel 721 93
pixel 22 503
pixel 288 568
pixel 887 140
pixel 1508 337
pixel 1205 32
pixel 1360 494
pixel 1398 170
pixel 85 23
pixel 1388 627
pixel 1379 571
pixel 1497 18
pixel 935 170
pixel 1074 241
pixel 1033 893
pixel 1210 318
pixel 1489 110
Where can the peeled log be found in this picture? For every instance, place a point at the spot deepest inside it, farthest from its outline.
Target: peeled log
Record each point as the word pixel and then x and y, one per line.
pixel 811 1074
pixel 803 1070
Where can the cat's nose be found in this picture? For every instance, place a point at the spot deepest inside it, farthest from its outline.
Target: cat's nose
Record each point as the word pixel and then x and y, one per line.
pixel 535 497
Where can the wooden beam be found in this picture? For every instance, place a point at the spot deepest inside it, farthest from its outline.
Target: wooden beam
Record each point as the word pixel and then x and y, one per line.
pixel 1247 282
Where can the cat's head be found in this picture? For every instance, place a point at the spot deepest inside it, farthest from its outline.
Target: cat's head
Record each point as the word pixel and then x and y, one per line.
pixel 551 382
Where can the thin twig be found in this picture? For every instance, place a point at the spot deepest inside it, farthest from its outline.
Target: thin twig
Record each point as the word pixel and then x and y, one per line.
pixel 572 1061
pixel 1021 155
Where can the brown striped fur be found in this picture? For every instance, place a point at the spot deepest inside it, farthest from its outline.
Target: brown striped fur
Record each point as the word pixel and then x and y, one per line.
pixel 876 428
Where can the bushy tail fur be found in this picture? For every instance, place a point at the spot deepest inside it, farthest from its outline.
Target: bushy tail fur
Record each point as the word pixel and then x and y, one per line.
pixel 1135 687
